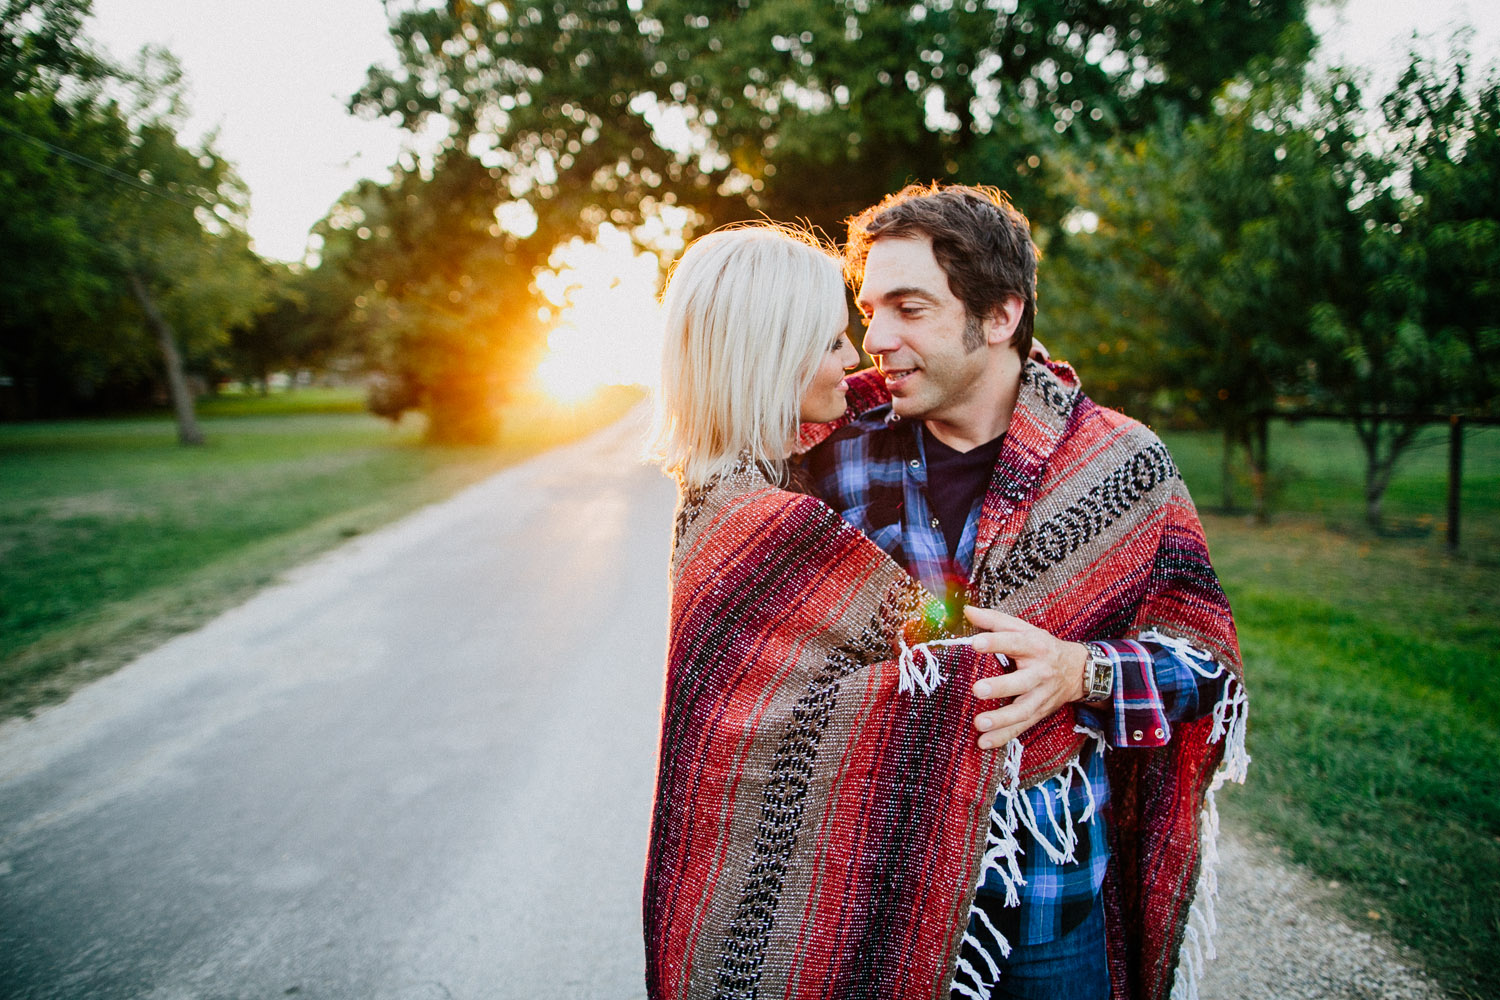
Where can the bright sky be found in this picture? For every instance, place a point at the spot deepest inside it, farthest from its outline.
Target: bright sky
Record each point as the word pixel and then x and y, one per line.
pixel 274 77
pixel 1376 35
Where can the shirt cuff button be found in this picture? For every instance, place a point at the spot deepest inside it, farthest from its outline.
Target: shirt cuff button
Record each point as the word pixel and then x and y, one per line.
pixel 1137 736
pixel 1159 734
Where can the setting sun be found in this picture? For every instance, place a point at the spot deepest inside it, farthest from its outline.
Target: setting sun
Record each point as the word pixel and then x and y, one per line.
pixel 608 329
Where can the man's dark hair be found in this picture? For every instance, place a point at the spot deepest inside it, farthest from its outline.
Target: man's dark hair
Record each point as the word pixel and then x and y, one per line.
pixel 981 241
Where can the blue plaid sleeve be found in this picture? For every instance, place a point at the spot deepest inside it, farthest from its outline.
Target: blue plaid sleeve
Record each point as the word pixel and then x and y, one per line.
pixel 1158 681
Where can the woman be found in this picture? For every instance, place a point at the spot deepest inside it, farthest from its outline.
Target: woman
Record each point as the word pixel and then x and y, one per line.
pixel 821 806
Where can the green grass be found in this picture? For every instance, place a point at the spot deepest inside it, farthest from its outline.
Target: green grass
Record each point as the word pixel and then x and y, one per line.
pixel 113 537
pixel 1375 706
pixel 299 401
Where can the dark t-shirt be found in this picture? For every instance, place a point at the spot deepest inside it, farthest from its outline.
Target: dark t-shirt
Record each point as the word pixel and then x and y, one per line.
pixel 956 482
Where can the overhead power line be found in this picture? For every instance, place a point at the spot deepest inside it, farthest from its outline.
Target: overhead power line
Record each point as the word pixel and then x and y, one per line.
pixel 102 168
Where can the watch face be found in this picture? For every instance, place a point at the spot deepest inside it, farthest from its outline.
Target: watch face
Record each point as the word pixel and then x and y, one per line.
pixel 1101 675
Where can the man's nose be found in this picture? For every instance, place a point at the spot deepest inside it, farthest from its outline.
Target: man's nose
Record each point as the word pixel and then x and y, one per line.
pixel 879 336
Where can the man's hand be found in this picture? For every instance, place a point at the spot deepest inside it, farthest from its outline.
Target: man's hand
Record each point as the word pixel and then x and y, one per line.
pixel 1049 674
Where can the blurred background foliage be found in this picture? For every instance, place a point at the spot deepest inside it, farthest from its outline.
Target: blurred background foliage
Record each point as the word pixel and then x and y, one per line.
pixel 1228 235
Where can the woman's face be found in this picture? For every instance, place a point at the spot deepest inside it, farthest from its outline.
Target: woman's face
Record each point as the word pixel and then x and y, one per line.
pixel 824 399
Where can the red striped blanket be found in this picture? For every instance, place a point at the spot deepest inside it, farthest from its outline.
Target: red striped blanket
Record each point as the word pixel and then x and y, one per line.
pixel 817 832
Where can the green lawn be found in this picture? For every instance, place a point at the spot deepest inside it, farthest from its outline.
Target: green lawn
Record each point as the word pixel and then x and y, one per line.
pixel 113 537
pixel 1372 664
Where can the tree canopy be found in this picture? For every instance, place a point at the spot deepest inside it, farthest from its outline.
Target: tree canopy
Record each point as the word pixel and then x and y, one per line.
pixel 1417 331
pixel 799 111
pixel 439 295
pixel 1227 237
pixel 123 246
pixel 601 111
pixel 1289 253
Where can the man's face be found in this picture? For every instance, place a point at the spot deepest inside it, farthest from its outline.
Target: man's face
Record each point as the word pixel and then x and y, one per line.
pixel 916 330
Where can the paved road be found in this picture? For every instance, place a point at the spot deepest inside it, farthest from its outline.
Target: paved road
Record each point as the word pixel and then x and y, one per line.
pixel 421 768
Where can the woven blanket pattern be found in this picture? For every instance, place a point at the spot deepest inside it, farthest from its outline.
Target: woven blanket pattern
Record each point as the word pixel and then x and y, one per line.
pixel 814 827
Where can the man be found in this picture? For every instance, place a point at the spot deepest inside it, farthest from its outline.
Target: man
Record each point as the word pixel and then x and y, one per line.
pixel 994 480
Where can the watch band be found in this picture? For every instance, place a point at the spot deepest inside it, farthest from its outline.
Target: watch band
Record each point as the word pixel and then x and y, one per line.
pixel 1099 675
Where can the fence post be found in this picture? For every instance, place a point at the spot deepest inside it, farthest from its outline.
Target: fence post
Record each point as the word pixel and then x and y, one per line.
pixel 1455 475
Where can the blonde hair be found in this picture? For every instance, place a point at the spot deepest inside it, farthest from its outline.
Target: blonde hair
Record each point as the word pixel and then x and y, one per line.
pixel 749 312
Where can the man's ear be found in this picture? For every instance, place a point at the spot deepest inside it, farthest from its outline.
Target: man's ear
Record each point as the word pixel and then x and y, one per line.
pixel 1003 319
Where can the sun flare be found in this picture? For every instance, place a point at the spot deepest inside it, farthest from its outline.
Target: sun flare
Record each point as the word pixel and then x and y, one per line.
pixel 608 329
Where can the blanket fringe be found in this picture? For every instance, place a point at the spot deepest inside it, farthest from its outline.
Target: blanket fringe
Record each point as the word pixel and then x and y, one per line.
pixel 1002 851
pixel 1011 811
pixel 1230 716
pixel 927 677
pixel 1202 923
pixel 1060 841
pixel 1060 847
pixel 1002 854
pixel 1096 734
pixel 1231 712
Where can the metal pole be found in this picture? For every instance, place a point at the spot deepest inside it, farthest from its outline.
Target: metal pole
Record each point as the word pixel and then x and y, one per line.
pixel 1455 475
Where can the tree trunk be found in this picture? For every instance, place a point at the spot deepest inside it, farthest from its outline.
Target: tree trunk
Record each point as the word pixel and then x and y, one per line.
pixel 1381 469
pixel 188 431
pixel 1226 469
pixel 1455 476
pixel 1259 445
pixel 1377 478
pixel 461 410
pixel 1375 484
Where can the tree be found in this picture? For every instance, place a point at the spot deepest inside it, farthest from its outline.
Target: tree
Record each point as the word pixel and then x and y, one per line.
pixel 1222 235
pixel 49 259
pixel 1419 334
pixel 121 241
pixel 800 111
pixel 443 300
pixel 607 110
pixel 181 249
pixel 1289 253
pixel 301 324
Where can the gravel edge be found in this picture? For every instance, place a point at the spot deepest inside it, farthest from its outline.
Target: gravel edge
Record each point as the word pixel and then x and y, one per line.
pixel 1280 936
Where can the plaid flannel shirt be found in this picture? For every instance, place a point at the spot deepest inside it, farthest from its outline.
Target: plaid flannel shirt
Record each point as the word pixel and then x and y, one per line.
pixel 874 473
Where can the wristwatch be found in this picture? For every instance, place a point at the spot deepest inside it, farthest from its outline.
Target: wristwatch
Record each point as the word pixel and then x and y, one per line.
pixel 1098 673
